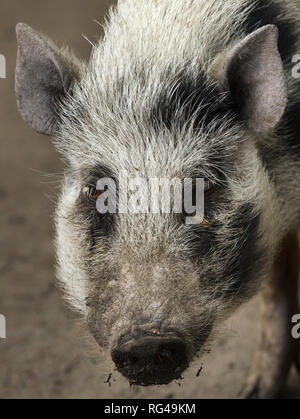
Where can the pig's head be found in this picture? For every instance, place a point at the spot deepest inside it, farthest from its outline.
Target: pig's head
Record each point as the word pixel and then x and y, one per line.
pixel 150 286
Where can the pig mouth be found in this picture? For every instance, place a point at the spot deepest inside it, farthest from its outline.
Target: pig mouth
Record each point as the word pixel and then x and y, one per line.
pixel 151 360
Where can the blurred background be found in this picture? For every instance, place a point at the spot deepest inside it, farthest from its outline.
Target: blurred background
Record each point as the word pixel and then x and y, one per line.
pixel 46 353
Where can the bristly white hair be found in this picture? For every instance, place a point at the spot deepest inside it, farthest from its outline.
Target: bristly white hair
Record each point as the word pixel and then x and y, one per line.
pixel 146 44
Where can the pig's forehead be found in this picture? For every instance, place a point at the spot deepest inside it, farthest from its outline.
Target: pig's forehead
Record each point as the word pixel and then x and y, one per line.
pixel 172 100
pixel 162 153
pixel 159 156
pixel 185 122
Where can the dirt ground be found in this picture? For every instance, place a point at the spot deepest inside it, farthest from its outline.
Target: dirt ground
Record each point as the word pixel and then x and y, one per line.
pixel 45 355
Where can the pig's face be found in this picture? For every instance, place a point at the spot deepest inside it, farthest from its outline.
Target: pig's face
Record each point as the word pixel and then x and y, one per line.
pixel 150 286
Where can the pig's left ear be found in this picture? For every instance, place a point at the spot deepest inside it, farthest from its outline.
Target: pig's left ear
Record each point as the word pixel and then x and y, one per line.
pixel 254 74
pixel 44 75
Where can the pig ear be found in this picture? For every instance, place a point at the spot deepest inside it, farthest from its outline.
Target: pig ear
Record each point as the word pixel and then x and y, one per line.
pixel 255 77
pixel 42 79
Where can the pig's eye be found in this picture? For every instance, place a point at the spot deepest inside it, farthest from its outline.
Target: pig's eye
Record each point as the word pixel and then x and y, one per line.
pixel 196 220
pixel 91 192
pixel 208 185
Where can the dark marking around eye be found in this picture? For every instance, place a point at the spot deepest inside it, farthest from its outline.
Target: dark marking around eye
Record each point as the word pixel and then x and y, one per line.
pixel 238 247
pixel 101 226
pixel 247 257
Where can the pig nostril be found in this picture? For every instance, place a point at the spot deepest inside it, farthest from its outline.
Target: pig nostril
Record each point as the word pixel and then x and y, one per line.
pixel 122 360
pixel 165 355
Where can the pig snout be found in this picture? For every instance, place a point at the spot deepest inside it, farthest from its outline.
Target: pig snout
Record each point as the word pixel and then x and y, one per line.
pixel 151 360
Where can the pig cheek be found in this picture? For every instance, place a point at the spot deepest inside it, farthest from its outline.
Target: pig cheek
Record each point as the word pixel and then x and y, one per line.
pixel 102 313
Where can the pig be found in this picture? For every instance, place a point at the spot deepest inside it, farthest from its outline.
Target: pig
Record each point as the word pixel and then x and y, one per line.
pixel 177 89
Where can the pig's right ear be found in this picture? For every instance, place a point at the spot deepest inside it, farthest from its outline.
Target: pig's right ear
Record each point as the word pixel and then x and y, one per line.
pixel 254 74
pixel 43 77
